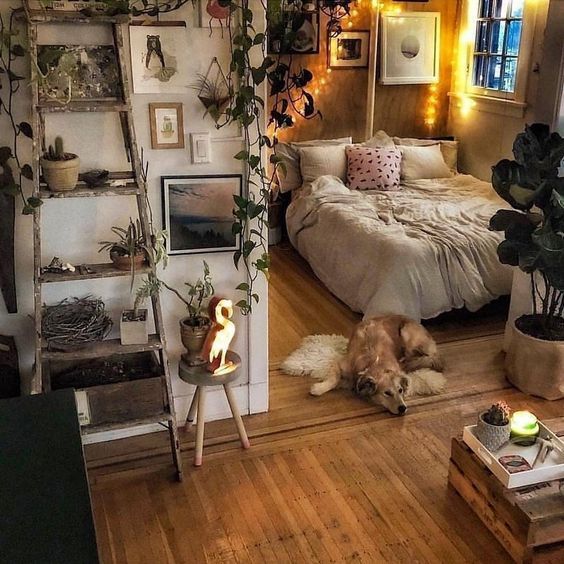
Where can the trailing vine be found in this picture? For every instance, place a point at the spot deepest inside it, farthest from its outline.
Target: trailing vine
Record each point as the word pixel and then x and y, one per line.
pixel 250 67
pixel 12 168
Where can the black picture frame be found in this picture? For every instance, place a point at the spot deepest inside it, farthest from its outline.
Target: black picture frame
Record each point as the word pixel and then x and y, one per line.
pixel 306 38
pixel 195 224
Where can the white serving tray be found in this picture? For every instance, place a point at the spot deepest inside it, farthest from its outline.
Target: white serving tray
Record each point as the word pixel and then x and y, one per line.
pixel 551 469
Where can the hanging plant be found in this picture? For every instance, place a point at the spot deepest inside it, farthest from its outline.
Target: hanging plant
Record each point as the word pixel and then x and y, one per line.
pixel 213 90
pixel 250 67
pixel 12 168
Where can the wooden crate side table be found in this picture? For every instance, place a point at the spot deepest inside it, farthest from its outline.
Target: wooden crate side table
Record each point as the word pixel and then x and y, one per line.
pixel 528 522
pixel 200 377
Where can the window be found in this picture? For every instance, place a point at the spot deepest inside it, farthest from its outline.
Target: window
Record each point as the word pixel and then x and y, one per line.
pixel 496 47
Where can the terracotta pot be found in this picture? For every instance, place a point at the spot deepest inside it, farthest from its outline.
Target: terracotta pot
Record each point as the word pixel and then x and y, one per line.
pixel 535 366
pixel 122 262
pixel 61 176
pixel 492 436
pixel 193 340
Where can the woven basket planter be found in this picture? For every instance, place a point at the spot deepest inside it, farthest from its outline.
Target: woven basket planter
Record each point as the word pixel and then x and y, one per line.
pixel 492 436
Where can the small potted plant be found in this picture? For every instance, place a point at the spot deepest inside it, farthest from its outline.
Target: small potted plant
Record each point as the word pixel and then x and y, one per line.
pixel 133 322
pixel 195 327
pixel 60 169
pixel 129 251
pixel 494 428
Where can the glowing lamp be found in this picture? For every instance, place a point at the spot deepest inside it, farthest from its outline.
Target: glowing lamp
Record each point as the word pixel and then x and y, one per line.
pixel 524 425
pixel 220 336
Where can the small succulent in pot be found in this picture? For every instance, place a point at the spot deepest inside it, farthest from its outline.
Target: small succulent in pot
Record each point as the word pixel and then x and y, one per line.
pixel 494 427
pixel 129 250
pixel 60 169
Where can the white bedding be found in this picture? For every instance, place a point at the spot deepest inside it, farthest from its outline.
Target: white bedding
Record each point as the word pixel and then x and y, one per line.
pixel 418 251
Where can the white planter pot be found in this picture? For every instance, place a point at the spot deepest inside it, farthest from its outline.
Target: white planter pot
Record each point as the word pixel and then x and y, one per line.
pixel 134 332
pixel 535 366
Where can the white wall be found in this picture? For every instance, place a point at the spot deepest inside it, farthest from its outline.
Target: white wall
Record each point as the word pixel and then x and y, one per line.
pixel 72 227
pixel 486 131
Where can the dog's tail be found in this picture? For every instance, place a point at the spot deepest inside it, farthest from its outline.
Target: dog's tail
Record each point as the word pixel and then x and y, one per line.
pixel 425 382
pixel 418 362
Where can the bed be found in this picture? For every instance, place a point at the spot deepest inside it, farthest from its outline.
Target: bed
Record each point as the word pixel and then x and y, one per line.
pixel 418 251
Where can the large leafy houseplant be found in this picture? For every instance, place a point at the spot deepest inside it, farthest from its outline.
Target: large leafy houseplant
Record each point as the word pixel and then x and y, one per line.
pixel 534 229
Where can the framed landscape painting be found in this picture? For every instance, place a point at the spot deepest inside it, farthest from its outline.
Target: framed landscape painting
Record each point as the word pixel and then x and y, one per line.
pixel 198 213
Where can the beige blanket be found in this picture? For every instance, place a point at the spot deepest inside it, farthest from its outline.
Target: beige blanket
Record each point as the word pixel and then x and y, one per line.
pixel 419 251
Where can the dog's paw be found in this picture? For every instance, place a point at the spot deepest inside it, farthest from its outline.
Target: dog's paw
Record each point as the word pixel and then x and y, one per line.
pixel 317 389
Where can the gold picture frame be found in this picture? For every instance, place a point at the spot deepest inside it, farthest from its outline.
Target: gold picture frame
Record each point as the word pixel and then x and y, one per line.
pixel 167 125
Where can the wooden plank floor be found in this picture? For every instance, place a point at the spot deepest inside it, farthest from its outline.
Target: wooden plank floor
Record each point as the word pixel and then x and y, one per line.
pixel 327 479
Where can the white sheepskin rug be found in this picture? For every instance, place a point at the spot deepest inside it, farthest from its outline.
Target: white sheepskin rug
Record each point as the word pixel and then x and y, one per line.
pixel 318 354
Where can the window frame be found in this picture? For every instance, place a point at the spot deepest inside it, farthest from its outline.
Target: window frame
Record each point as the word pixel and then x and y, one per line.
pixel 523 56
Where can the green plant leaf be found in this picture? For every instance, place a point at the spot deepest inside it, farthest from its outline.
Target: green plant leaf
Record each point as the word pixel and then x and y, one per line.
pixel 27 172
pixel 5 154
pixel 244 287
pixel 26 129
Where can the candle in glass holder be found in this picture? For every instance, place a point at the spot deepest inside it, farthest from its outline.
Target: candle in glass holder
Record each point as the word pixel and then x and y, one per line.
pixel 524 425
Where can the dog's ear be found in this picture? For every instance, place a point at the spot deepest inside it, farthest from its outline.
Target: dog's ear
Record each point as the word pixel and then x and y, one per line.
pixel 365 385
pixel 404 383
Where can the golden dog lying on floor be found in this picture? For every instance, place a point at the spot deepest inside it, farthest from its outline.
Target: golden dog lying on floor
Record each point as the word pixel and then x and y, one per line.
pixel 381 354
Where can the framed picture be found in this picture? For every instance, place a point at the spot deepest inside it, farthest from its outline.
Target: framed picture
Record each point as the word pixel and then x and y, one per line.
pixel 157 56
pixel 78 72
pixel 198 213
pixel 410 48
pixel 167 126
pixel 298 16
pixel 349 50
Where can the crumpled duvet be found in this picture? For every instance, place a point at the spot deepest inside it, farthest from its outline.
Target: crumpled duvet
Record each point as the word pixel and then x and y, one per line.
pixel 418 251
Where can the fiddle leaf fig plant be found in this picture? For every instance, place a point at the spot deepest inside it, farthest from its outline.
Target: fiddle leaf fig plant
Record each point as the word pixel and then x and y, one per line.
pixel 534 229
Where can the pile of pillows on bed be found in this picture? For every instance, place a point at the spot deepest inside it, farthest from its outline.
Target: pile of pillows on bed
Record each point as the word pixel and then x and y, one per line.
pixel 381 163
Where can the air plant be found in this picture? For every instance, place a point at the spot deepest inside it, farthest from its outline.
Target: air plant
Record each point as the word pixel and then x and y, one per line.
pixel 213 91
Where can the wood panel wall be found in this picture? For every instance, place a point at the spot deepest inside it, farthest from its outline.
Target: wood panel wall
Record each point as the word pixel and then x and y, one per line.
pixel 400 109
pixel 343 94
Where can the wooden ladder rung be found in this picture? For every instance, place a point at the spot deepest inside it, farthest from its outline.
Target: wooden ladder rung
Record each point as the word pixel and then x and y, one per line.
pixel 126 423
pixel 74 17
pixel 85 106
pixel 100 349
pixel 104 270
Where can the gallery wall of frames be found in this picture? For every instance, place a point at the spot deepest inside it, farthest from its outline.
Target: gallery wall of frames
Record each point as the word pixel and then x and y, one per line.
pixel 179 140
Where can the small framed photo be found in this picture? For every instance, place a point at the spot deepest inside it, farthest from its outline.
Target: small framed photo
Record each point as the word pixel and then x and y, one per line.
pixel 349 50
pixel 167 126
pixel 301 17
pixel 410 48
pixel 198 213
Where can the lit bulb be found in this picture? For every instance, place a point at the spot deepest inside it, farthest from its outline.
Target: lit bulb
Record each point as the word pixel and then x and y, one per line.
pixel 323 81
pixel 354 13
pixel 350 24
pixel 329 71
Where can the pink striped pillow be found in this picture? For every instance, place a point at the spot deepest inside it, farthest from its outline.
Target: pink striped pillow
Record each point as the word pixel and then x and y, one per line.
pixel 373 168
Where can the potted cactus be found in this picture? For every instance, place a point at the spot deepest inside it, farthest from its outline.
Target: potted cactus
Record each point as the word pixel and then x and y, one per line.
pixel 195 327
pixel 129 250
pixel 494 427
pixel 60 169
pixel 133 322
pixel 534 241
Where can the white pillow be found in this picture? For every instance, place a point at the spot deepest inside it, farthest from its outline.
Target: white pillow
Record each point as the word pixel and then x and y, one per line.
pixel 318 161
pixel 418 163
pixel 291 158
pixel 380 140
pixel 449 149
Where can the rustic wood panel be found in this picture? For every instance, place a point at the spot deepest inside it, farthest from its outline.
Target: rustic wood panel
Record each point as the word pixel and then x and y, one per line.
pixel 9 368
pixel 400 109
pixel 7 258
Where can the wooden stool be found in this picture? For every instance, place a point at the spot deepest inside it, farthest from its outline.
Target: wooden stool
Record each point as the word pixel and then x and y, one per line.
pixel 200 377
